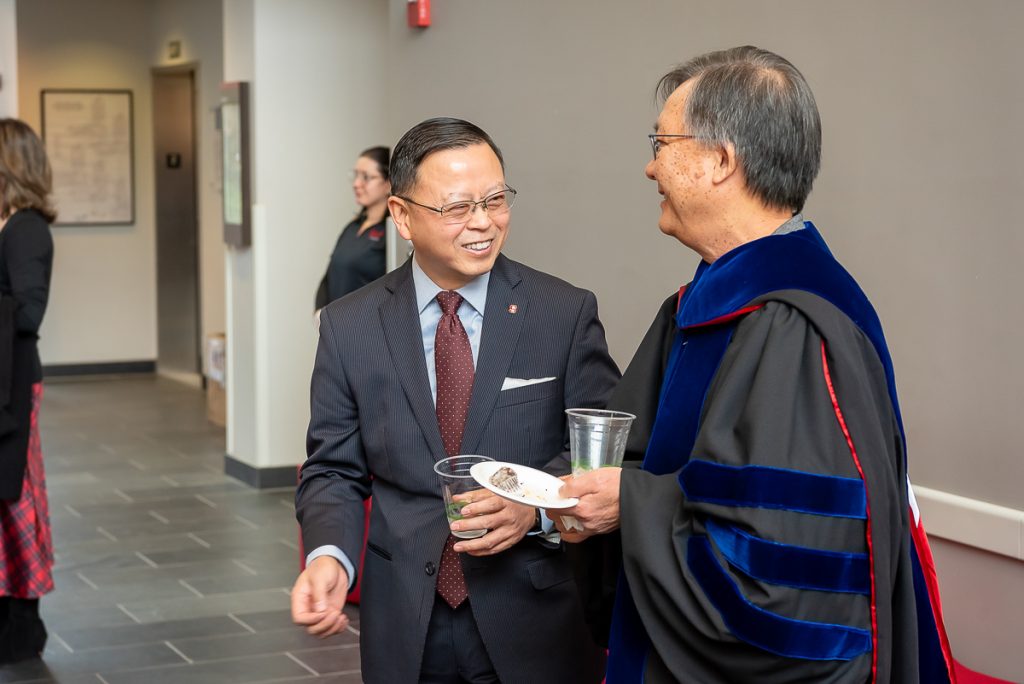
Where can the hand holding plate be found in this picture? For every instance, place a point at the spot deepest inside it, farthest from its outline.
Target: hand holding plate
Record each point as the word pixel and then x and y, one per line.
pixel 598 508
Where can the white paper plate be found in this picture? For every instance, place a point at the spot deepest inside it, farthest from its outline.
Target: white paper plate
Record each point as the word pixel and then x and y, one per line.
pixel 536 488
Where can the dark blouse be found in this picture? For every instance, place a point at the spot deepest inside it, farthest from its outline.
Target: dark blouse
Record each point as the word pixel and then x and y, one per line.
pixel 356 260
pixel 26 261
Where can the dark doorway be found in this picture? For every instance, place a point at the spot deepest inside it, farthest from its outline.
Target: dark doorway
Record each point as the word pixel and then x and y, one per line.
pixel 179 348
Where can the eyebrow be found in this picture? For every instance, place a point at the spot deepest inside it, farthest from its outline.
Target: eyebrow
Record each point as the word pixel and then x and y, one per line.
pixel 466 197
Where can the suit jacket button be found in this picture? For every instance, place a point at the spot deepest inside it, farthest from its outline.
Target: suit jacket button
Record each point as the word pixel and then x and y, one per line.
pixel 429 568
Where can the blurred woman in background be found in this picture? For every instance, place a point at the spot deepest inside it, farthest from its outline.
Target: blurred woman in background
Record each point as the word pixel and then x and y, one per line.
pixel 359 255
pixel 26 259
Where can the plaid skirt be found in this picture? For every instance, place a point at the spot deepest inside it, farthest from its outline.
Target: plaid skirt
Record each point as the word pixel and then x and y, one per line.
pixel 26 547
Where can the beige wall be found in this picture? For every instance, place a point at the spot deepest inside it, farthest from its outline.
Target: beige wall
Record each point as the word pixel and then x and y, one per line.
pixel 103 297
pixel 918 194
pixel 239 65
pixel 317 101
pixel 103 294
pixel 983 602
pixel 8 60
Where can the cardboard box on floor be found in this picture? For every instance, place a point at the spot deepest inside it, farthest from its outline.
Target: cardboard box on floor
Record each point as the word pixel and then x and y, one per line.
pixel 215 370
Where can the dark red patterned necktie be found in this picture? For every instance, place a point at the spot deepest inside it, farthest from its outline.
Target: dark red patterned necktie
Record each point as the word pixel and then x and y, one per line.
pixel 453 364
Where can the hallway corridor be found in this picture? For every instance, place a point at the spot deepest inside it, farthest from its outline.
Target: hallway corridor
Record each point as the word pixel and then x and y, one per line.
pixel 166 569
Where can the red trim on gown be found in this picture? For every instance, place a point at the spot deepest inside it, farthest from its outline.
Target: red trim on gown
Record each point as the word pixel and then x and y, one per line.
pixel 26 545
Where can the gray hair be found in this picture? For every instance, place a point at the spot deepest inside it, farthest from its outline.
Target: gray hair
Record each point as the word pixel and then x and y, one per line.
pixel 762 104
pixel 427 137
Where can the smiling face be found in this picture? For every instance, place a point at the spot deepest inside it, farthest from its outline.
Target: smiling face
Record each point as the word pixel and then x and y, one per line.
pixel 368 184
pixel 684 170
pixel 453 254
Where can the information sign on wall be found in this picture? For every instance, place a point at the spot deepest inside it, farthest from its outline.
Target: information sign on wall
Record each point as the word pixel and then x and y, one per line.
pixel 88 136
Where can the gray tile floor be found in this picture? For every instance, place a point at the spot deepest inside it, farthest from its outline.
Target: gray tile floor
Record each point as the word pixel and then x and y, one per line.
pixel 166 569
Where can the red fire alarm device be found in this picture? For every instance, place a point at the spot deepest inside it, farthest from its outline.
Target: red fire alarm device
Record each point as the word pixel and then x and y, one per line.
pixel 419 13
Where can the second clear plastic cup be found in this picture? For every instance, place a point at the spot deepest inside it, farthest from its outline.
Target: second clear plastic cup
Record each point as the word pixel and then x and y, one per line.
pixel 455 480
pixel 597 438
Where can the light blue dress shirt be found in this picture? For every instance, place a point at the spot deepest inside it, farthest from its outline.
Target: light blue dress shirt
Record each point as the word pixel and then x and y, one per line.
pixel 471 313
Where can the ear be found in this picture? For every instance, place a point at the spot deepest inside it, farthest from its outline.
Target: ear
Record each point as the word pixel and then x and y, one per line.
pixel 400 215
pixel 726 163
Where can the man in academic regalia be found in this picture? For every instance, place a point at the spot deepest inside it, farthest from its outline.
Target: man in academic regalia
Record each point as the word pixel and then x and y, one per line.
pixel 770 534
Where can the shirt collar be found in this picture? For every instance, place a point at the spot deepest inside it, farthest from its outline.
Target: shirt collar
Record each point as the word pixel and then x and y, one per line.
pixel 791 226
pixel 474 292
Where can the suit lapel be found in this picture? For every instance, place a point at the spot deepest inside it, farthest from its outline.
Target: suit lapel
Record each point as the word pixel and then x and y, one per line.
pixel 502 326
pixel 401 323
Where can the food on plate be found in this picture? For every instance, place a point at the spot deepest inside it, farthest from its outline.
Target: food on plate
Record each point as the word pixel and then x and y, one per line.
pixel 506 479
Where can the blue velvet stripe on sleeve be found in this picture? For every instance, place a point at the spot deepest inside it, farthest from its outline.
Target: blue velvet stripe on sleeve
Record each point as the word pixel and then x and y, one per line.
pixel 792 566
pixel 765 487
pixel 766 630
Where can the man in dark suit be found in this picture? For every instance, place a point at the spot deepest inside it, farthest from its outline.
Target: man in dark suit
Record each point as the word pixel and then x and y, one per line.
pixel 515 347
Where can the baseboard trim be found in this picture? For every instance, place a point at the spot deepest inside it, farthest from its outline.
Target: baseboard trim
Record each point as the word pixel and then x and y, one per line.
pixel 260 478
pixel 971 522
pixel 61 370
pixel 190 379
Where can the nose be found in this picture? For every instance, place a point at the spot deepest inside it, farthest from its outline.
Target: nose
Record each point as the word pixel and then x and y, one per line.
pixel 649 169
pixel 479 219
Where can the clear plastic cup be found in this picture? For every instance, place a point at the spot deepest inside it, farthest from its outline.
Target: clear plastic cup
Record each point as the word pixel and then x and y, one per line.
pixel 597 438
pixel 455 481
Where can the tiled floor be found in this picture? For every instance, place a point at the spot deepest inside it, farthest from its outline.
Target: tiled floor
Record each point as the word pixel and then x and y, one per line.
pixel 166 569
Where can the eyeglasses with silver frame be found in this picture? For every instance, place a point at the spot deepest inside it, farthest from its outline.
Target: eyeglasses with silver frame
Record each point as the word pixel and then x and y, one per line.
pixel 495 204
pixel 657 144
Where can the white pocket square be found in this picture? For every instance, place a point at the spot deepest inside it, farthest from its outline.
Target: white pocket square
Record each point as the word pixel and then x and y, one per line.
pixel 513 383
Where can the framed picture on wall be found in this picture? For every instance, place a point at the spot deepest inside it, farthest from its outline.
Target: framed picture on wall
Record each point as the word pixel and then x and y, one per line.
pixel 235 188
pixel 88 136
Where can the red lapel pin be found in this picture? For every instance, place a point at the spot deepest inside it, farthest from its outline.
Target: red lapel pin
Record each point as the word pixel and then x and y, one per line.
pixel 512 308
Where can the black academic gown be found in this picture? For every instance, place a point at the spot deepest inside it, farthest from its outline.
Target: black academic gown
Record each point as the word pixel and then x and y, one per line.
pixel 767 536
